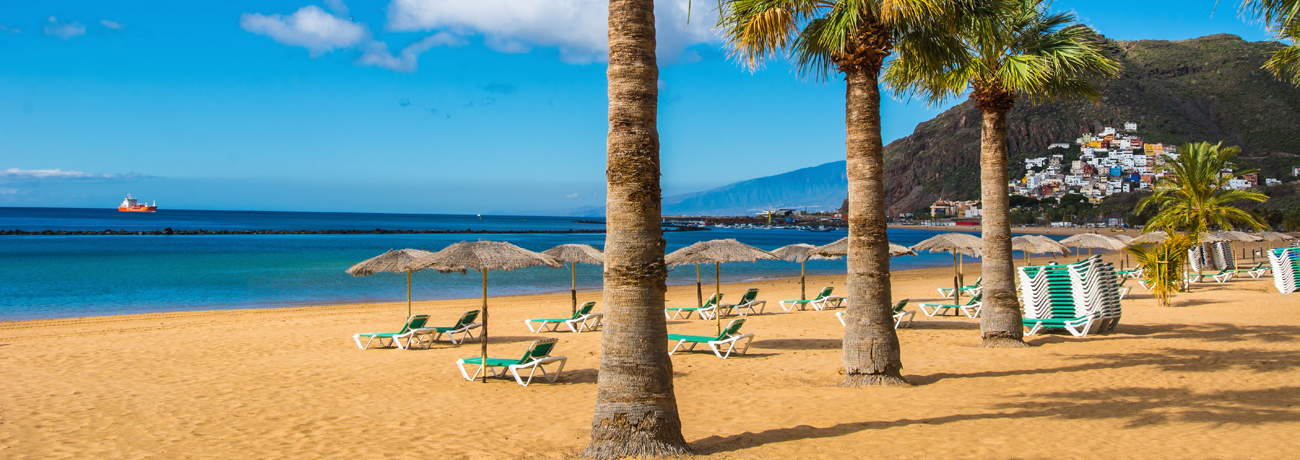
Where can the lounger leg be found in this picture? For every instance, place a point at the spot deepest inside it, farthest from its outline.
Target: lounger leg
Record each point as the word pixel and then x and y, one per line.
pixel 677 347
pixel 357 339
pixel 1034 330
pixel 910 315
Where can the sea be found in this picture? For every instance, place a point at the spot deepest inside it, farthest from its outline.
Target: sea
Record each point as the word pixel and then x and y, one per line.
pixel 50 276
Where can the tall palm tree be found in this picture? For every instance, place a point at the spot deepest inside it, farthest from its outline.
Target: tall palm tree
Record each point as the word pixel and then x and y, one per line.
pixel 1282 18
pixel 636 410
pixel 1194 195
pixel 854 38
pixel 1003 52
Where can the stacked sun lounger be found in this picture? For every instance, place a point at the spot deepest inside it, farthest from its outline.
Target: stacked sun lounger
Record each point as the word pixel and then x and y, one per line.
pixel 1286 268
pixel 1082 297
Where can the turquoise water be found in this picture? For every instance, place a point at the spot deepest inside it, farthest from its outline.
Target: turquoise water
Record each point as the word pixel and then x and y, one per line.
pixel 72 276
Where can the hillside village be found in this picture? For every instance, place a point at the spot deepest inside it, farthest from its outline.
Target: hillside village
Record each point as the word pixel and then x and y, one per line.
pixel 1106 163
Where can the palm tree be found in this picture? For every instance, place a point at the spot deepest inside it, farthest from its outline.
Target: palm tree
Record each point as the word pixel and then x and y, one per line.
pixel 1194 193
pixel 852 37
pixel 636 410
pixel 1282 18
pixel 1005 51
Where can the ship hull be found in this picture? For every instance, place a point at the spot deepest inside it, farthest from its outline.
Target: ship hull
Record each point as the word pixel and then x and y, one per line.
pixel 139 209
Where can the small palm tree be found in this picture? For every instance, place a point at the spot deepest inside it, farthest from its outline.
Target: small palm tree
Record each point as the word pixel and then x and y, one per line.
pixel 636 410
pixel 1193 196
pixel 1004 51
pixel 1282 18
pixel 1163 265
pixel 853 38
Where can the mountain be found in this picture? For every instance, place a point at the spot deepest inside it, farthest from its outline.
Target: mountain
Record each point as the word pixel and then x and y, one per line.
pixel 819 188
pixel 1203 89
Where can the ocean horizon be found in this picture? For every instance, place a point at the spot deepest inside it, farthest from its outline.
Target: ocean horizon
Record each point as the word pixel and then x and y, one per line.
pixel 68 276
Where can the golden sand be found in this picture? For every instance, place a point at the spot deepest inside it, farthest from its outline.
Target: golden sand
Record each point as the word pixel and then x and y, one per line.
pixel 1216 376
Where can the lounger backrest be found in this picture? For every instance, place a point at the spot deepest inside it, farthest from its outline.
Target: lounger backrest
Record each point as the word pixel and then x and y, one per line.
pixel 584 310
pixel 749 296
pixel 826 292
pixel 733 328
pixel 538 350
pixel 415 322
pixel 898 307
pixel 976 299
pixel 466 319
pixel 715 299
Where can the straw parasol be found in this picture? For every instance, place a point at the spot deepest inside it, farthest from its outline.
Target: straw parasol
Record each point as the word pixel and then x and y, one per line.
pixel 717 252
pixel 393 261
pixel 1037 244
pixel 1155 237
pixel 483 256
pixel 1093 241
pixel 574 254
pixel 1233 235
pixel 1123 238
pixel 959 244
pixel 798 252
pixel 1271 237
pixel 841 248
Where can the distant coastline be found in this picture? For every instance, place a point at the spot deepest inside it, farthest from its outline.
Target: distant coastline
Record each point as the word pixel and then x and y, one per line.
pixel 377 231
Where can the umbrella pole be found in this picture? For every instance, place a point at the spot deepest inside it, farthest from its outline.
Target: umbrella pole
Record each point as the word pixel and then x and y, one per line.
pixel 717 277
pixel 573 269
pixel 408 294
pixel 483 347
pixel 803 293
pixel 961 269
pixel 717 307
pixel 699 288
pixel 956 284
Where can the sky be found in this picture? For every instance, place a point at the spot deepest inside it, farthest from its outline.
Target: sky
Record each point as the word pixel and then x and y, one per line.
pixel 410 106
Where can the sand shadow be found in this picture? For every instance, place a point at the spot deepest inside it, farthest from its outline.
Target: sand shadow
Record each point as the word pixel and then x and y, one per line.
pixel 1133 405
pixel 926 323
pixel 798 344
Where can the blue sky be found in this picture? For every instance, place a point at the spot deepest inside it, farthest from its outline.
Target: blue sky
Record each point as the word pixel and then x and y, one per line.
pixel 419 106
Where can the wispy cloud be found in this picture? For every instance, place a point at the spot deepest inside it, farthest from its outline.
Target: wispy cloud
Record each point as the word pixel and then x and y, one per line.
pixel 65 31
pixel 12 30
pixel 337 6
pixel 15 173
pixel 8 191
pixel 571 195
pixel 113 24
pixel 310 27
pixel 578 28
pixel 376 52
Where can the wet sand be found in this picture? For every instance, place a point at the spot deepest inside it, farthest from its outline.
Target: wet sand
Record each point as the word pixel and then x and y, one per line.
pixel 1215 376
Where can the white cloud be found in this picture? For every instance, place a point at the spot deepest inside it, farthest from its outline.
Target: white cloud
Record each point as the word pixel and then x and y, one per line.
pixel 12 30
pixel 64 31
pixel 337 6
pixel 376 52
pixel 8 191
pixel 571 195
pixel 578 28
pixel 113 24
pixel 15 173
pixel 309 27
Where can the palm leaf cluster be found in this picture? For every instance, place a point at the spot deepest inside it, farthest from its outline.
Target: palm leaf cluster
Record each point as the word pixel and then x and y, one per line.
pixel 1282 18
pixel 1194 195
pixel 1004 51
pixel 1164 265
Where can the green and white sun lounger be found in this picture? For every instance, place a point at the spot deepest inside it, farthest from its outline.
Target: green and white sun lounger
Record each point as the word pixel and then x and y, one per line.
pixel 899 314
pixel 748 305
pixel 729 337
pixel 709 309
pixel 582 320
pixel 971 308
pixel 394 338
pixel 537 356
pixel 823 300
pixel 967 289
pixel 464 326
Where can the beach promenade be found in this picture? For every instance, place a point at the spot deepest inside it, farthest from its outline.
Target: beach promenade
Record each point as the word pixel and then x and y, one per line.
pixel 1215 376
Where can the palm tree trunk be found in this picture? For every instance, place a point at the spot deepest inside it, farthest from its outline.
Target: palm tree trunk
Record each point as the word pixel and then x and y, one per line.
pixel 1000 319
pixel 871 350
pixel 636 409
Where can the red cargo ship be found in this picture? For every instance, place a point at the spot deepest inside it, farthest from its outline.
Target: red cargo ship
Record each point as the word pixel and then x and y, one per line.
pixel 130 205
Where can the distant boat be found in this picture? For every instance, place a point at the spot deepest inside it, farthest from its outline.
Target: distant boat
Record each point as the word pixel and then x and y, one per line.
pixel 821 228
pixel 130 205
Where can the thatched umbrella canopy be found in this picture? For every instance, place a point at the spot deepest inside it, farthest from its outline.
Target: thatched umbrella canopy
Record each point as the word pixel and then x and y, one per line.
pixel 1274 236
pixel 799 253
pixel 718 252
pixel 841 248
pixel 393 261
pixel 484 256
pixel 1233 235
pixel 574 254
pixel 1093 241
pixel 1037 244
pixel 1123 238
pixel 1155 237
pixel 959 244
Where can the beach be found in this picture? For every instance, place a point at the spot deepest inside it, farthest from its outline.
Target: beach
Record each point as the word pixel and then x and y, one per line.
pixel 1215 376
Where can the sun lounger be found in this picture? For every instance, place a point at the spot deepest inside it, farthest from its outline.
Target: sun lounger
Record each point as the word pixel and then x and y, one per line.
pixel 818 303
pixel 971 289
pixel 709 309
pixel 1080 298
pixel 748 305
pixel 538 355
pixel 464 326
pixel 583 319
pixel 899 314
pixel 729 337
pixel 1254 272
pixel 394 338
pixel 971 308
